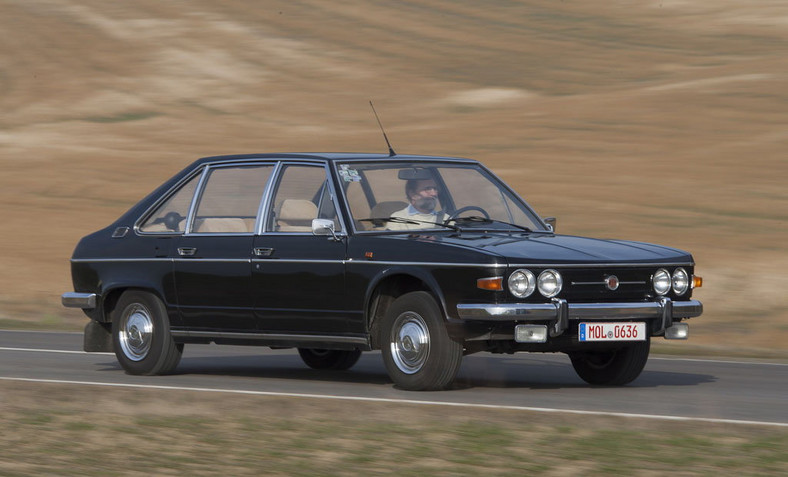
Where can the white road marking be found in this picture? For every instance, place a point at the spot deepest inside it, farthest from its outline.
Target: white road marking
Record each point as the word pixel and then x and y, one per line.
pixel 64 351
pixel 720 361
pixel 402 401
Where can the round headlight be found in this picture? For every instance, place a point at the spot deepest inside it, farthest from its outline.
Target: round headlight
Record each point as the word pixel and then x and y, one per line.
pixel 550 283
pixel 680 281
pixel 661 281
pixel 522 283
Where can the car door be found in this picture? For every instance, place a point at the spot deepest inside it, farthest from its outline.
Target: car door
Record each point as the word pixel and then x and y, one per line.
pixel 298 277
pixel 212 260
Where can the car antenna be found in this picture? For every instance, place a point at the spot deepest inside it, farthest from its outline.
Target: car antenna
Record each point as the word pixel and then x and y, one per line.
pixel 391 150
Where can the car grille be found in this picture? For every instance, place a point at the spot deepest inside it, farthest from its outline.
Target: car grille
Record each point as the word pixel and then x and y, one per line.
pixel 589 285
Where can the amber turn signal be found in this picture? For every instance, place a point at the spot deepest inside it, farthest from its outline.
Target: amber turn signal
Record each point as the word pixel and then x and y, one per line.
pixel 491 283
pixel 697 281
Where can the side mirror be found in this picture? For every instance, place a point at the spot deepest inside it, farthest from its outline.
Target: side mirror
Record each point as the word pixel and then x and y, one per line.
pixel 324 227
pixel 550 222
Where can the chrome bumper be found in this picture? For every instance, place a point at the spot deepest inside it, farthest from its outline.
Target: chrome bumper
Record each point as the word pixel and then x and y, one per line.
pixel 79 300
pixel 560 311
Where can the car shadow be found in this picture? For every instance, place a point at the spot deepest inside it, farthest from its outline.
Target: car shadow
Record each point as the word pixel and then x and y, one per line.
pixel 545 374
pixel 477 372
pixel 271 367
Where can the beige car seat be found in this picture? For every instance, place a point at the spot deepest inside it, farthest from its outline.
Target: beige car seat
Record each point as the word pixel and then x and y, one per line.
pixel 295 215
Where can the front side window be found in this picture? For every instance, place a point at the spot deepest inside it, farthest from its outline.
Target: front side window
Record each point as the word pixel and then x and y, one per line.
pixel 170 216
pixel 230 199
pixel 301 195
pixel 418 196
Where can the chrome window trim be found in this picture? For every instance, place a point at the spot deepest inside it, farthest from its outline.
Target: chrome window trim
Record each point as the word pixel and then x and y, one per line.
pixel 334 197
pixel 201 188
pixel 276 178
pixel 195 198
pixel 262 213
pixel 309 234
pixel 220 234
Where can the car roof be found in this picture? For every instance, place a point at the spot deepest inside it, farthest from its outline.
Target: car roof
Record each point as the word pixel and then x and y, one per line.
pixel 331 157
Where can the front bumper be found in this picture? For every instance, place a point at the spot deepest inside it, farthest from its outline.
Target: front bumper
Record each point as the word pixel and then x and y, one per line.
pixel 559 312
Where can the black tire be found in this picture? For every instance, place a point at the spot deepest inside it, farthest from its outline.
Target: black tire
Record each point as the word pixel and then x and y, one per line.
pixel 417 351
pixel 141 335
pixel 614 367
pixel 329 358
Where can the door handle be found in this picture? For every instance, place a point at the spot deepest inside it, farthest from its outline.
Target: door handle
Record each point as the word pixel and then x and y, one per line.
pixel 187 251
pixel 263 251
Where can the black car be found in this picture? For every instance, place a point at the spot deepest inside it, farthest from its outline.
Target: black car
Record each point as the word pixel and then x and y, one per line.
pixel 424 258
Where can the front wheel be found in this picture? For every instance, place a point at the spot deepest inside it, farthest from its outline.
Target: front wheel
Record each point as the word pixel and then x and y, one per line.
pixel 329 358
pixel 417 351
pixel 614 367
pixel 141 335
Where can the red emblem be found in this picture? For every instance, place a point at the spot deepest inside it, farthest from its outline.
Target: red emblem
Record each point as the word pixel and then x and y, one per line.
pixel 612 282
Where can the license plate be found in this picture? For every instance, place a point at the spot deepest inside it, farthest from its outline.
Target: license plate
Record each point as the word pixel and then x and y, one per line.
pixel 612 331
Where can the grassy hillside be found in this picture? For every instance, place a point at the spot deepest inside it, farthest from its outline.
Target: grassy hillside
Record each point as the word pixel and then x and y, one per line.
pixel 658 121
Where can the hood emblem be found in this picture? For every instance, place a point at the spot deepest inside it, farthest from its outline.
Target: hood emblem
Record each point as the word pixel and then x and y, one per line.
pixel 612 282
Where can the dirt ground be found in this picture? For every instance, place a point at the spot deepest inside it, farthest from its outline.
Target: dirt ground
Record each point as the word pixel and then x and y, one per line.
pixel 661 121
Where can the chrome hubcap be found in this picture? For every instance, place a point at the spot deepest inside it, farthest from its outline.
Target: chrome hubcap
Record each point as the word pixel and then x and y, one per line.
pixel 410 342
pixel 136 332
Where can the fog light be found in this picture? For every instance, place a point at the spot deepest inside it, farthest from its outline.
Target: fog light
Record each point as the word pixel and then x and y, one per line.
pixel 679 331
pixel 530 333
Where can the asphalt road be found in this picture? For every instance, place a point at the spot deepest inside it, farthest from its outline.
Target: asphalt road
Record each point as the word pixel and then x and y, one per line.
pixel 668 388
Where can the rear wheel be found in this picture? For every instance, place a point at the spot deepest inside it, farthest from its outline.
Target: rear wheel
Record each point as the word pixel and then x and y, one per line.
pixel 141 335
pixel 329 358
pixel 614 367
pixel 417 351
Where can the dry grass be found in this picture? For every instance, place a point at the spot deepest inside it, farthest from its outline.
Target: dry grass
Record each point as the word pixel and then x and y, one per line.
pixel 71 430
pixel 658 121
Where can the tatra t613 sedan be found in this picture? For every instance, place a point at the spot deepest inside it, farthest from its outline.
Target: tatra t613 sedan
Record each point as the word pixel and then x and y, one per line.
pixel 426 259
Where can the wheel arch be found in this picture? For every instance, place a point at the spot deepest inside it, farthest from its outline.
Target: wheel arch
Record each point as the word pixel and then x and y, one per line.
pixel 390 285
pixel 112 294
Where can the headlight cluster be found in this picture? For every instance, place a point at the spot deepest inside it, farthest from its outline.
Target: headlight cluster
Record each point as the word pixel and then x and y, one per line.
pixel 663 281
pixel 522 283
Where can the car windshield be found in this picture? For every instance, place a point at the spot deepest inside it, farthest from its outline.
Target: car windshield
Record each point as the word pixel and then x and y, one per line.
pixel 416 196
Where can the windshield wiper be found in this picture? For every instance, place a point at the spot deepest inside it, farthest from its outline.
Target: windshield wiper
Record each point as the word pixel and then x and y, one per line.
pixel 483 220
pixel 379 221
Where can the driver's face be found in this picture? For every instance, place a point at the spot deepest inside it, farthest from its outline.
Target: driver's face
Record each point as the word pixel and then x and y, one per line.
pixel 424 197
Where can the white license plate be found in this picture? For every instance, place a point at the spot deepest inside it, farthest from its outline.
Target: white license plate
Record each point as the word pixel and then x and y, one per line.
pixel 612 331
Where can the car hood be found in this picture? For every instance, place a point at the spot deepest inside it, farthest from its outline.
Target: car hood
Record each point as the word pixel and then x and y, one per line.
pixel 539 248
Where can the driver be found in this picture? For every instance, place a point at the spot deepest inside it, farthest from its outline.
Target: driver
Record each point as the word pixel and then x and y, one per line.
pixel 423 197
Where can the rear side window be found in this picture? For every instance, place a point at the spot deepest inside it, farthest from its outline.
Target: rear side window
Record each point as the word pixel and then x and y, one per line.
pixel 170 217
pixel 302 195
pixel 230 199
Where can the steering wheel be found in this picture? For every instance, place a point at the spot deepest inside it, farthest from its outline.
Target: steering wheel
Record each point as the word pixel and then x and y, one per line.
pixel 171 220
pixel 456 213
